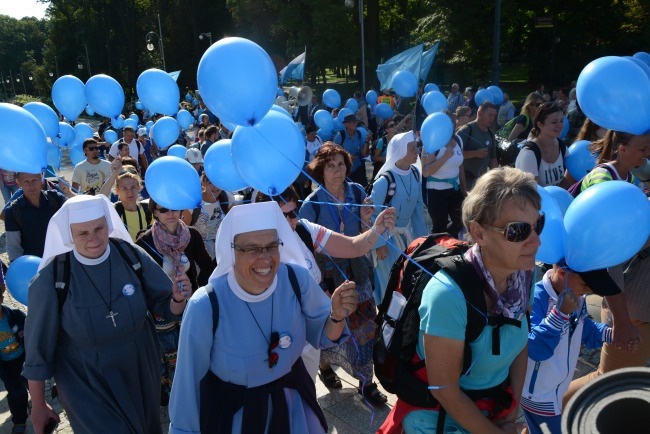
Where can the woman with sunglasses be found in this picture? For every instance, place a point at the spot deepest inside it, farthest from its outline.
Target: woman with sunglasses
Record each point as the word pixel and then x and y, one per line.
pixel 178 249
pixel 239 365
pixel 502 215
pixel 379 152
pixel 524 122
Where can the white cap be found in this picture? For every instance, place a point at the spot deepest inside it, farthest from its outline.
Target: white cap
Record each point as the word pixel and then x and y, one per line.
pixel 142 132
pixel 193 155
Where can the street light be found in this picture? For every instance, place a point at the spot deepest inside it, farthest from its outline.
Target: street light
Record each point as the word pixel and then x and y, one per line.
pixel 350 4
pixel 18 78
pixel 206 34
pixel 158 36
pixel 11 80
pixel 80 63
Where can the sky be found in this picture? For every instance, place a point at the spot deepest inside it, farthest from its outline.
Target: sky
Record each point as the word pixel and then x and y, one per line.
pixel 23 8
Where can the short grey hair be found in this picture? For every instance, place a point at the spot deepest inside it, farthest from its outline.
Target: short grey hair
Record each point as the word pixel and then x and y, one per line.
pixel 484 203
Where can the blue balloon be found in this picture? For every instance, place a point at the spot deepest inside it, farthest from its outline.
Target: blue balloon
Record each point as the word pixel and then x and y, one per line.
pixel 282 111
pixel 195 102
pixel 614 93
pixel 579 160
pixel 130 123
pixel 46 116
pixel 185 119
pixel 173 182
pixel 553 237
pixel 323 120
pixel 139 105
pixel 324 134
pixel 19 274
pixel 66 135
pixel 331 98
pixel 90 111
pixel 337 125
pixel 643 65
pixel 371 97
pixel 343 113
pixel 363 132
pixel 68 95
pixel 497 94
pixel 352 105
pixel 483 95
pixel 54 156
pixel 237 80
pixel 76 154
pixel 383 110
pixel 270 155
pixel 165 132
pixel 83 131
pixel 110 136
pixel 643 56
pixel 188 97
pixel 134 117
pixel 565 128
pixel 105 95
pixel 405 83
pixel 593 241
pixel 220 168
pixel 177 151
pixel 280 92
pixel 148 125
pixel 430 87
pixel 561 196
pixel 433 102
pixel 158 91
pixel 23 144
pixel 436 132
pixel 118 122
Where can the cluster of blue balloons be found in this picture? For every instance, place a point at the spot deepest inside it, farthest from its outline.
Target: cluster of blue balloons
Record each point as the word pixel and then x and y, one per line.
pixel 493 94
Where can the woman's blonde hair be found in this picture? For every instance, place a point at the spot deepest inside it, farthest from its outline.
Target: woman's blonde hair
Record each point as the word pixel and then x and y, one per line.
pixel 127 174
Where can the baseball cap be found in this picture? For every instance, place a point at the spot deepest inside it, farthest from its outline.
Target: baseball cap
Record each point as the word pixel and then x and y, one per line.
pixel 193 155
pixel 600 282
pixel 142 132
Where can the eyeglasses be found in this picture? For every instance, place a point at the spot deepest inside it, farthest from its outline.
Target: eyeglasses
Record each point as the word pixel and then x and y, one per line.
pixel 92 148
pixel 166 210
pixel 273 356
pixel 291 214
pixel 516 232
pixel 255 251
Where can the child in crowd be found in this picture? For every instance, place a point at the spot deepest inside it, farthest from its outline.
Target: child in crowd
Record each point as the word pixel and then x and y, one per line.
pixel 559 324
pixel 12 357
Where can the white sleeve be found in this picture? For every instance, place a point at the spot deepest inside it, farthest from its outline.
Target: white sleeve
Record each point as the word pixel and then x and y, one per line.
pixel 527 162
pixel 113 151
pixel 320 234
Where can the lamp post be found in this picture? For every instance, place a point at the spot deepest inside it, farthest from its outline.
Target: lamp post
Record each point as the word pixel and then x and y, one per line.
pixel 18 78
pixel 80 64
pixel 496 42
pixel 11 80
pixel 4 87
pixel 350 4
pixel 158 36
pixel 208 35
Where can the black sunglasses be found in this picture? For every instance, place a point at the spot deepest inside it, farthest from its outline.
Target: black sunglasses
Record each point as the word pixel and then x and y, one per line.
pixel 291 214
pixel 273 356
pixel 92 148
pixel 390 126
pixel 166 210
pixel 516 232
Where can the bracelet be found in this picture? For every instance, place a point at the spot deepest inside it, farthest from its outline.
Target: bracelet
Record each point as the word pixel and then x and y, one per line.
pixel 179 302
pixel 335 321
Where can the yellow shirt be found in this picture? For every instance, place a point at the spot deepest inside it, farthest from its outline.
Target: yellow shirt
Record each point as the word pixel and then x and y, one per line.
pixel 135 221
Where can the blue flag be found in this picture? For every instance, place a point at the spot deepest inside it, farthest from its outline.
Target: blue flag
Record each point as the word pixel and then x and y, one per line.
pixel 409 60
pixel 427 60
pixel 174 75
pixel 294 70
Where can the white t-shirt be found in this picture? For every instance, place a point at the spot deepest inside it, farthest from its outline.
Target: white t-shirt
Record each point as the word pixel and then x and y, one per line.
pixel 450 169
pixel 547 173
pixel 133 150
pixel 320 235
pixel 313 147
pixel 89 175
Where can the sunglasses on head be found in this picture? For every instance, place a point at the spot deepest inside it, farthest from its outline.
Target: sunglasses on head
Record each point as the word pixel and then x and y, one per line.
pixel 291 214
pixel 273 356
pixel 166 210
pixel 516 232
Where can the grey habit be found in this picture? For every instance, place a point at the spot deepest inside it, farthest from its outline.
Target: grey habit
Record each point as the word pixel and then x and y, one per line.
pixel 108 377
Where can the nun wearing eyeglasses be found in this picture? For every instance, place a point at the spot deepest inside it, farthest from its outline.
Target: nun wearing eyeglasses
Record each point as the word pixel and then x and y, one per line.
pixel 401 177
pixel 239 368
pixel 97 339
pixel 503 219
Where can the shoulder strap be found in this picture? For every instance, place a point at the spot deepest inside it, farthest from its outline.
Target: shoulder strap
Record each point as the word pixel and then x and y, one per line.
pixel 196 212
pixel 562 148
pixel 415 173
pixel 294 283
pixel 130 256
pixel 390 192
pixel 62 277
pixel 214 302
pixel 533 147
pixel 223 201
pixel 305 236
pixel 147 213
pixel 119 207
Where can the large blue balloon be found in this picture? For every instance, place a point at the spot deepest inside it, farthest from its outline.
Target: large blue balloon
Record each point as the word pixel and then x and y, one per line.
pixel 565 128
pixel 352 104
pixel 66 135
pixel 324 134
pixel 405 83
pixel 323 119
pixel 158 91
pixel 130 123
pixel 614 93
pixel 110 136
pixel 105 95
pixel 430 87
pixel 237 80
pixel 643 56
pixel 46 116
pixel 166 131
pixel 220 167
pixel 148 126
pixel 343 113
pixel 579 160
pixel 173 183
pixel 433 102
pixel 185 119
pixel 82 131
pixel 497 94
pixel 270 155
pixel 23 144
pixel 68 95
pixel 54 156
pixel 553 237
pixel 606 225
pixel 561 196
pixel 371 97
pixel 19 274
pixel 76 154
pixel 276 108
pixel 383 110
pixel 436 132
pixel 331 98
pixel 483 95
pixel 177 151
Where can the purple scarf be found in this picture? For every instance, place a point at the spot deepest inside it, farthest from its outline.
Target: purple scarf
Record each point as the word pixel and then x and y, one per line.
pixel 171 244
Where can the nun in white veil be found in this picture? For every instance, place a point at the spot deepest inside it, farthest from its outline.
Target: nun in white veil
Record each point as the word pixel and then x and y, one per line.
pixel 400 176
pixel 89 327
pixel 239 367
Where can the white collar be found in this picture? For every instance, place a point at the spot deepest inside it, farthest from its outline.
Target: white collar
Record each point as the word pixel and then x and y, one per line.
pixel 88 261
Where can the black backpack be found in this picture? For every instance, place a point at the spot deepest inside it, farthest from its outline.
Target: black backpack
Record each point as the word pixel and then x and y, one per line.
pixel 507 152
pixel 397 366
pixel 390 192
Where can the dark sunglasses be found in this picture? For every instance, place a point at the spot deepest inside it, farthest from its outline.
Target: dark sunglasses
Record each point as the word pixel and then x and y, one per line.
pixel 166 210
pixel 291 214
pixel 273 356
pixel 390 126
pixel 516 232
pixel 92 148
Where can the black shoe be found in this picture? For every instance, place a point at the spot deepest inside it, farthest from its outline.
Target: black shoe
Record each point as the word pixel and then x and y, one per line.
pixel 373 395
pixel 329 378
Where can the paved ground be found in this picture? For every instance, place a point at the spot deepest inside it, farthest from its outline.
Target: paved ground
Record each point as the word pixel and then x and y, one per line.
pixel 344 409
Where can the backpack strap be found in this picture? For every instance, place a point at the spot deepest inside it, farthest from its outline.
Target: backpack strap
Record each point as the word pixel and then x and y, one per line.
pixel 62 277
pixel 196 212
pixel 390 191
pixel 532 146
pixel 294 283
pixel 305 236
pixel 130 255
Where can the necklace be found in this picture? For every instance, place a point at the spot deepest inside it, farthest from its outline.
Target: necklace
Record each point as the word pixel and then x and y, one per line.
pixel 109 305
pixel 408 190
pixel 274 339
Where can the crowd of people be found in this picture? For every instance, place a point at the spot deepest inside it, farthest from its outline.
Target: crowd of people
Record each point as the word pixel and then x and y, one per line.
pixel 229 313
